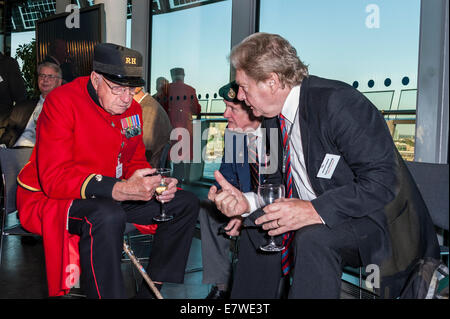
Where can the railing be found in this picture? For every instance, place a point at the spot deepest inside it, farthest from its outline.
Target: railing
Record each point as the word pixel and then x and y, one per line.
pixel 394 119
pixel 398 112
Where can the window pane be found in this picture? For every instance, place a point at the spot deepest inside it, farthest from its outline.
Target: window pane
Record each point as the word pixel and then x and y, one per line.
pixel 197 39
pixel 372 45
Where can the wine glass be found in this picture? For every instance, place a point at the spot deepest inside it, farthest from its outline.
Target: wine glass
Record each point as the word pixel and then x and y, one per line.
pixel 164 172
pixel 267 194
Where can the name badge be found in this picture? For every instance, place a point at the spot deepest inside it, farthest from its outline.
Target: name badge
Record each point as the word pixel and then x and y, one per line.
pixel 119 170
pixel 328 166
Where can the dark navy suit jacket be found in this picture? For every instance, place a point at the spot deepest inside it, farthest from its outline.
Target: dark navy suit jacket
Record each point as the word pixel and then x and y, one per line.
pixel 234 166
pixel 371 187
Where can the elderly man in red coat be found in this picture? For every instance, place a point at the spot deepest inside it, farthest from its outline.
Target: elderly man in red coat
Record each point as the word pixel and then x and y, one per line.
pixel 88 176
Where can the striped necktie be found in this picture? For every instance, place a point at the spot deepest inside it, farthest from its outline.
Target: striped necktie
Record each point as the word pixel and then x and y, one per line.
pixel 253 160
pixel 286 254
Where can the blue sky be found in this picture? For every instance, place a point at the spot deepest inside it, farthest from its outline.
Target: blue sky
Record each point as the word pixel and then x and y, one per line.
pixel 197 40
pixel 331 36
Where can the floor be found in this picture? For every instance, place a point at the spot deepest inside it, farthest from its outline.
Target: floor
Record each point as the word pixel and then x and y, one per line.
pixel 22 272
pixel 22 269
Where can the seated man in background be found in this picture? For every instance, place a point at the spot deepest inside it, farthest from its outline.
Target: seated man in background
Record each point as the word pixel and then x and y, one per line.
pixel 156 126
pixel 19 132
pixel 162 93
pixel 12 87
pixel 88 176
pixel 235 168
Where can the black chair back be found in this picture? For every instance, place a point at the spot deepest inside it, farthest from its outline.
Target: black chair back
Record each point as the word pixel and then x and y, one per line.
pixel 164 159
pixel 12 161
pixel 432 181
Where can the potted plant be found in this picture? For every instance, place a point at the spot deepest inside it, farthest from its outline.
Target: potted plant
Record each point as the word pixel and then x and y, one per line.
pixel 27 53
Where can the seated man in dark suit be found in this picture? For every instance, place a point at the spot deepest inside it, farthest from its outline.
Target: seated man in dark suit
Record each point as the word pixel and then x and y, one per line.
pixel 21 128
pixel 350 198
pixel 235 167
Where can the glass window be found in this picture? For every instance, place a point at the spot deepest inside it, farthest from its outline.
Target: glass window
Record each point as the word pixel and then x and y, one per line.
pixel 372 45
pixel 197 39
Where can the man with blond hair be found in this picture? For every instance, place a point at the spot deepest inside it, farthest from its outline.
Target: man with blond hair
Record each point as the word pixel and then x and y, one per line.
pixel 350 199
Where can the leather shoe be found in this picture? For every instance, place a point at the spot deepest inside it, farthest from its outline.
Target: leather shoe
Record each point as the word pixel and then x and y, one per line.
pixel 215 293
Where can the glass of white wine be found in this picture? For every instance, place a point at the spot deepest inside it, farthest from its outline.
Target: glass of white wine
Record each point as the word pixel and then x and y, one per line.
pixel 164 172
pixel 267 194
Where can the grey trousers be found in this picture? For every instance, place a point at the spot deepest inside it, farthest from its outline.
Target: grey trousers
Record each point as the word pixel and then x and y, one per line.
pixel 215 247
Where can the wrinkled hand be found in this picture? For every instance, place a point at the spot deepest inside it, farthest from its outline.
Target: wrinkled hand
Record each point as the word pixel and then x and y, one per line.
pixel 288 214
pixel 169 193
pixel 234 226
pixel 138 187
pixel 230 201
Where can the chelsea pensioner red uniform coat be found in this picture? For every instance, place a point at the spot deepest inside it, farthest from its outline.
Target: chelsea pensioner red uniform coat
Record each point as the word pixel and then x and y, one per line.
pixel 75 140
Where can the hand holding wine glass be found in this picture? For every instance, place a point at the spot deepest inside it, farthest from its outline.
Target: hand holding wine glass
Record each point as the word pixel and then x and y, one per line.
pixel 138 187
pixel 267 194
pixel 160 189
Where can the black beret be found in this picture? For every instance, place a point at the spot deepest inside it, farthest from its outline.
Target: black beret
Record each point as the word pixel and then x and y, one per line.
pixel 229 92
pixel 119 64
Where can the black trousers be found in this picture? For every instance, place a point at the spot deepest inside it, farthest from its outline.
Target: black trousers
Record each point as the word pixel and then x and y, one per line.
pixel 320 253
pixel 100 223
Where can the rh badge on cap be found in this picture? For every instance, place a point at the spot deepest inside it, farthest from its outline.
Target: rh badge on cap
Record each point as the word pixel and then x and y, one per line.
pixel 129 60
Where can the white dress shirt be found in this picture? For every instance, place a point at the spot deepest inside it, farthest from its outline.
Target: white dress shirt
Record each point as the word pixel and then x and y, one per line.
pixel 239 148
pixel 298 168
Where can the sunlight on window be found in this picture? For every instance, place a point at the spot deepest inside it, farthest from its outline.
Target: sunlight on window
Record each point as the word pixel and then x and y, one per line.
pixel 373 47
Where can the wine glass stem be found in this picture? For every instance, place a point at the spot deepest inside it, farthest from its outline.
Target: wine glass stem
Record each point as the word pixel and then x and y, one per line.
pixel 163 211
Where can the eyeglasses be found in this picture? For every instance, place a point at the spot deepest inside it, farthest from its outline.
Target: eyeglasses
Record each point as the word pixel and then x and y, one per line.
pixel 119 90
pixel 50 77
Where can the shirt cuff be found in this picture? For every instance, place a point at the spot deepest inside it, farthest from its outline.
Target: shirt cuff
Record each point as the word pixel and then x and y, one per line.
pixel 252 199
pixel 98 186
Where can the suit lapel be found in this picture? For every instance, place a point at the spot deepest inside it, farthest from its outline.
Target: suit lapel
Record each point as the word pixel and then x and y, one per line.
pixel 305 131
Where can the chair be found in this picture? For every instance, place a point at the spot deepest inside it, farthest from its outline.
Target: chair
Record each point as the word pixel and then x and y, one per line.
pixel 432 181
pixel 11 161
pixel 164 159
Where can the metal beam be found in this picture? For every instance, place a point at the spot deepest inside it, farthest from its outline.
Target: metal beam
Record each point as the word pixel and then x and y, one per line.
pixel 432 94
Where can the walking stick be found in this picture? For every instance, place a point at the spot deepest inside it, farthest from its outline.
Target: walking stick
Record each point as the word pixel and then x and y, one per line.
pixel 141 269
